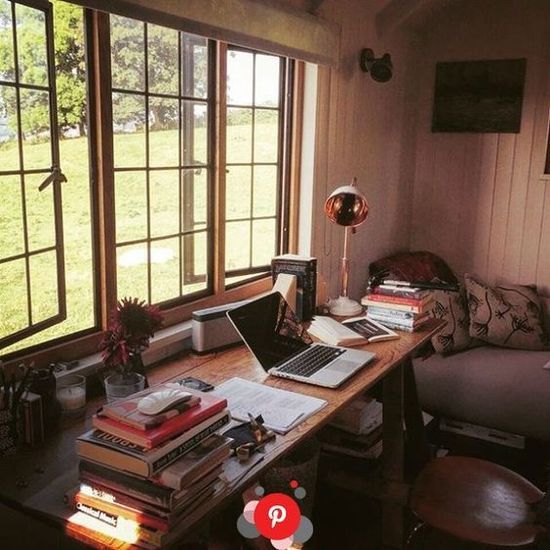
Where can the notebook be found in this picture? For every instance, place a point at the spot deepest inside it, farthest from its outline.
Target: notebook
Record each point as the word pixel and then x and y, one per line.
pixel 283 347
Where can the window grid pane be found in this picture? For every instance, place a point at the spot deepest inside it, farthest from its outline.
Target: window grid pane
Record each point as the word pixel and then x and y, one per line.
pixel 28 124
pixel 253 161
pixel 173 137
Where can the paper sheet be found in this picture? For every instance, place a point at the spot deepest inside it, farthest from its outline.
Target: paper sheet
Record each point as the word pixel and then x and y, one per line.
pixel 281 410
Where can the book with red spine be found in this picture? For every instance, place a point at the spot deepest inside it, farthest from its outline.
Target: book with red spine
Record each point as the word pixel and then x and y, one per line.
pixel 209 405
pixel 378 304
pixel 399 300
pixel 126 410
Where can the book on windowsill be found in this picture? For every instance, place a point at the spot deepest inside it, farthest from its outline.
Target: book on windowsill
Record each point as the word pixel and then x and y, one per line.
pixel 116 452
pixel 351 332
pixel 205 405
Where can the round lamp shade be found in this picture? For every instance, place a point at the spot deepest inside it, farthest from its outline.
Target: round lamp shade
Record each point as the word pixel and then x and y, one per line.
pixel 347 206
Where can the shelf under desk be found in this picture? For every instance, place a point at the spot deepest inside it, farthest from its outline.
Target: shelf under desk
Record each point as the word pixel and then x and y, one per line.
pixel 34 481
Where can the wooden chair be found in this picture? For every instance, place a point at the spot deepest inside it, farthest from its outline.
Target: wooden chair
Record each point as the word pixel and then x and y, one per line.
pixel 479 502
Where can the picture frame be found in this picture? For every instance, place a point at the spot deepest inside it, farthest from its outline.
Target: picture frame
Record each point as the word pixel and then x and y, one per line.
pixel 479 96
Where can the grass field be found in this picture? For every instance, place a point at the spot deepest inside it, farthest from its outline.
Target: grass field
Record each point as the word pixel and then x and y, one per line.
pixel 131 217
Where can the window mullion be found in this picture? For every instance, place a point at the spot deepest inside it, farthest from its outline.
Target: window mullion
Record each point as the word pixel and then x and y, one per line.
pixel 104 187
pixel 218 227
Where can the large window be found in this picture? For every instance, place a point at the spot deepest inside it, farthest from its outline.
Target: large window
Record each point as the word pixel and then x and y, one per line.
pixel 187 141
pixel 253 161
pixel 161 112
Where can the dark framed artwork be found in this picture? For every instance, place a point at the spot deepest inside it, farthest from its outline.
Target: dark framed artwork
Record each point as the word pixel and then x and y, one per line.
pixel 479 96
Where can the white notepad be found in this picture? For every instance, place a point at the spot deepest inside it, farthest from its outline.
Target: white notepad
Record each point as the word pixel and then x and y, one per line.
pixel 281 410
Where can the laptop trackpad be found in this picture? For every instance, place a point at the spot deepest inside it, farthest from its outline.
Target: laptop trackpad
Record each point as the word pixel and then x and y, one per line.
pixel 333 375
pixel 341 366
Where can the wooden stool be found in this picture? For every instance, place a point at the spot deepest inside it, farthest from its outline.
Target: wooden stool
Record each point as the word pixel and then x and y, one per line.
pixel 477 501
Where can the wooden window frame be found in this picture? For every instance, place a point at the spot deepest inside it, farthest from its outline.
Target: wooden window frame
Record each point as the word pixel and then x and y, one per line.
pixel 75 346
pixel 51 176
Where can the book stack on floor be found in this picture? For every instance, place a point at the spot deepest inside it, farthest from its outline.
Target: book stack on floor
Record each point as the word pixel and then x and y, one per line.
pixel 398 305
pixel 356 431
pixel 142 475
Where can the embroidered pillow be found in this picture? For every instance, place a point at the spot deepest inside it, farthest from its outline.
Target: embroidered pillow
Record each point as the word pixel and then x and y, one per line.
pixel 453 308
pixel 510 315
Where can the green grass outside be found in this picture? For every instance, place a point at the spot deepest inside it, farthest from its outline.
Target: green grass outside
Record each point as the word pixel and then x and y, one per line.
pixel 130 198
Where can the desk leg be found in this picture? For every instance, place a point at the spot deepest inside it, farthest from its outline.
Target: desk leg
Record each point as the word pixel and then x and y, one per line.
pixel 400 407
pixel 418 449
pixel 393 458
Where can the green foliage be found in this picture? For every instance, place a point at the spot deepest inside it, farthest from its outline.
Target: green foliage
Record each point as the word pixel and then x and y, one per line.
pixel 32 59
pixel 70 65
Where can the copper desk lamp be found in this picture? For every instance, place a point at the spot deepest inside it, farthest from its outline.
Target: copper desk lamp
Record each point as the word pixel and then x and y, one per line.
pixel 348 207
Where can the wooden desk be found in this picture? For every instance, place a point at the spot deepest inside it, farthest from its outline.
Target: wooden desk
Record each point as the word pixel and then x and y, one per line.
pixel 35 481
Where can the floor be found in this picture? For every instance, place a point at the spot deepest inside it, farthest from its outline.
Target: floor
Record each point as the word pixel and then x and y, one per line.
pixel 345 520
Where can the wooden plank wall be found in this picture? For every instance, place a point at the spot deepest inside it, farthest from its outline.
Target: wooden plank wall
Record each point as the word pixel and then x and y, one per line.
pixel 480 200
pixel 363 129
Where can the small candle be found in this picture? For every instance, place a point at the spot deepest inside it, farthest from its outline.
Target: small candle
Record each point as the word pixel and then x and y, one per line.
pixel 71 398
pixel 71 393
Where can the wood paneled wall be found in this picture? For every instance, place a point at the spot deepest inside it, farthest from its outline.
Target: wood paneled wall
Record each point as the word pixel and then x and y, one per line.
pixel 363 129
pixel 480 200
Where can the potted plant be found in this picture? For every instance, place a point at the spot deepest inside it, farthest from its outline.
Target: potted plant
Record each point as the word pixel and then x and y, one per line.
pixel 132 325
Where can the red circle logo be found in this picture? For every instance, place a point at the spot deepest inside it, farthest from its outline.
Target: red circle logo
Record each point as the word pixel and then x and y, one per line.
pixel 277 516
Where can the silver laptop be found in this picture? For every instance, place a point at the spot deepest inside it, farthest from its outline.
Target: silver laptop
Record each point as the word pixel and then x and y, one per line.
pixel 283 347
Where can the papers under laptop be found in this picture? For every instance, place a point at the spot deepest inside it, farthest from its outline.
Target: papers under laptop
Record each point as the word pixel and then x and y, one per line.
pixel 283 347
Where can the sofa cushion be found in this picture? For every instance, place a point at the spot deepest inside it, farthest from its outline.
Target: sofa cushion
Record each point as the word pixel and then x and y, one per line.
pixel 498 388
pixel 509 316
pixel 451 307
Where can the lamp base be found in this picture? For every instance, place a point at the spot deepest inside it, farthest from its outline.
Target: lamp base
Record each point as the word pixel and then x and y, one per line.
pixel 345 307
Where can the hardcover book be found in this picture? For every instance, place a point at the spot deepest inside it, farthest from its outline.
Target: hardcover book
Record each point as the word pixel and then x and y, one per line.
pixel 189 468
pixel 400 300
pixel 305 269
pixel 116 452
pixel 126 410
pixel 395 314
pixel 366 301
pixel 131 485
pixel 400 291
pixel 206 405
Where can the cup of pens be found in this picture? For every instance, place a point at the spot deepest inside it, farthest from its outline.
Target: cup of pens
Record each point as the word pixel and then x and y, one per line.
pixel 71 395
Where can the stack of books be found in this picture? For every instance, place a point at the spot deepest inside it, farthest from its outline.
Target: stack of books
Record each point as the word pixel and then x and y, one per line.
pixel 398 305
pixel 141 475
pixel 356 431
pixel 305 270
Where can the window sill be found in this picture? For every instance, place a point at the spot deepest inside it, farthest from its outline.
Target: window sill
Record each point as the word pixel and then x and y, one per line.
pixel 167 342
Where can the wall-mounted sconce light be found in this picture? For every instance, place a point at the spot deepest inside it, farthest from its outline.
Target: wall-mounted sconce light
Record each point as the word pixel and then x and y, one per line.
pixel 380 69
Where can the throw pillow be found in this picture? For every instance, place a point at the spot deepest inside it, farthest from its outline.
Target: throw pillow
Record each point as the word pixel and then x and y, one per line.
pixel 453 308
pixel 510 316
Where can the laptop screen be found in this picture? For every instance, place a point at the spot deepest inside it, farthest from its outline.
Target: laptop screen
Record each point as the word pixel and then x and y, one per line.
pixel 270 329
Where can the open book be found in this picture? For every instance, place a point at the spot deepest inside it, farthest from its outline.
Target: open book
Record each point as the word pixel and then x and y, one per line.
pixel 351 332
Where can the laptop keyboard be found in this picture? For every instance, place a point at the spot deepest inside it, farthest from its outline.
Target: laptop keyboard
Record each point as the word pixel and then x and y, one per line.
pixel 311 361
